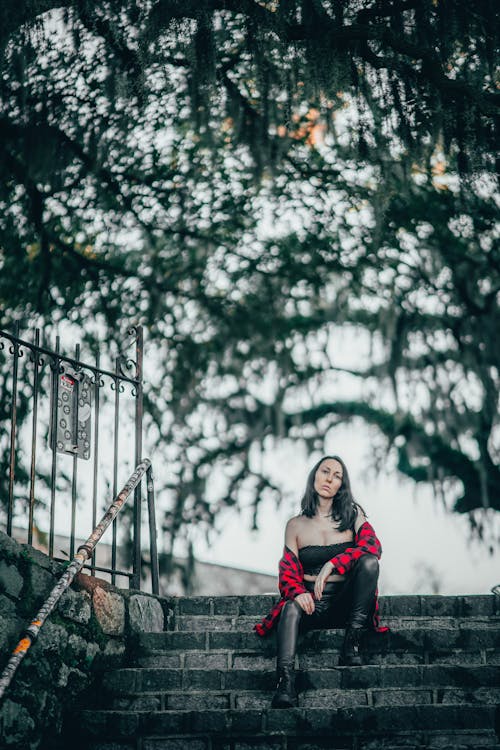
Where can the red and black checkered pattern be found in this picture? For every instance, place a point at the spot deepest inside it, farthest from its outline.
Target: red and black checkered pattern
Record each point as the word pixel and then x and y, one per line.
pixel 291 575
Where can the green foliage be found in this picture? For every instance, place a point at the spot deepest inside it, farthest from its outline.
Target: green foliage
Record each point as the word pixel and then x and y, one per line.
pixel 249 180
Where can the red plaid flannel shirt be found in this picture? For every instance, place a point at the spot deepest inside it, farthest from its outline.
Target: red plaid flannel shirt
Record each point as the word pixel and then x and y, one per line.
pixel 291 576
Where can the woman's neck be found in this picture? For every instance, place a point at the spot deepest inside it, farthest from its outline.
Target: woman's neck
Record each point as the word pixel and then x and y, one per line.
pixel 324 509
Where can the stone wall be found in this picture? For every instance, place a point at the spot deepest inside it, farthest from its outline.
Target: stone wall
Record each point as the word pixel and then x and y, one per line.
pixel 91 630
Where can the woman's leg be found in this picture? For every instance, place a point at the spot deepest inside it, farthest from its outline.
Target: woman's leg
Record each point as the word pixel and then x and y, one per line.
pixel 288 633
pixel 357 602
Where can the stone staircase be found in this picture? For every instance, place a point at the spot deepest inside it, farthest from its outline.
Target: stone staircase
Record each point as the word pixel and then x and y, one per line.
pixel 207 682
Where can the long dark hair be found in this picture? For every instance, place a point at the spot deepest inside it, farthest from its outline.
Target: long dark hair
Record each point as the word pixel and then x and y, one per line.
pixel 344 506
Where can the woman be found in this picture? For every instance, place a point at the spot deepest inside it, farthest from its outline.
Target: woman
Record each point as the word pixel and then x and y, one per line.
pixel 328 573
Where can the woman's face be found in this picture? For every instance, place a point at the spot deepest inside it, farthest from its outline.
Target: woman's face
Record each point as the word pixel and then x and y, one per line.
pixel 328 478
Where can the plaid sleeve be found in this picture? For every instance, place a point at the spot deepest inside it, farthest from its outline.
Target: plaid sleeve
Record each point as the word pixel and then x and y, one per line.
pixel 365 543
pixel 291 584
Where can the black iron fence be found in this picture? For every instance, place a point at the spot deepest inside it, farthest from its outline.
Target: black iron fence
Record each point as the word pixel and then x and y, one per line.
pixel 72 430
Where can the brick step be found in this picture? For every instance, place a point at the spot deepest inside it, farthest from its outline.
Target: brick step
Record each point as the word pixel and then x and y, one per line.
pixel 333 698
pixel 431 605
pixel 135 680
pixel 339 726
pixel 416 639
pixel 463 740
pixel 193 659
pixel 245 623
pixel 437 740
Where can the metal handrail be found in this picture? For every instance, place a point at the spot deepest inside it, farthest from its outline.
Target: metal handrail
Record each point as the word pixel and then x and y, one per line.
pixel 83 554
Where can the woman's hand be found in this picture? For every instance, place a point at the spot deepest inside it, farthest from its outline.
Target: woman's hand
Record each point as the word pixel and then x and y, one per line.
pixel 321 578
pixel 305 602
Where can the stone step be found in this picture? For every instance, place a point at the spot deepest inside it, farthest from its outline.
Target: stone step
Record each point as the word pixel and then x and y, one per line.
pixel 435 740
pixel 414 640
pixel 333 698
pixel 193 659
pixel 431 605
pixel 338 726
pixel 431 676
pixel 245 623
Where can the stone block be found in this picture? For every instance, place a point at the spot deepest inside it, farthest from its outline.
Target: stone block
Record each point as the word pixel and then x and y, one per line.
pixel 195 605
pixel 176 743
pixel 10 550
pixel 81 649
pixel 253 699
pixel 481 695
pixel 39 558
pixel 137 703
pixel 164 723
pixel 145 614
pixel 317 679
pixel 199 701
pixel 474 605
pixel 338 742
pixel 330 699
pixel 462 741
pixel 152 642
pixel 122 681
pixel 247 722
pixel 168 661
pixel 53 638
pixel 461 676
pixel 493 657
pixel 125 723
pixel 202 660
pixel 293 721
pixel 41 583
pixel 16 725
pixel 267 663
pixel 400 606
pixel 235 640
pixel 161 679
pixel 249 680
pixel 405 697
pixel 75 606
pixel 11 581
pixel 109 609
pixel 256 605
pixel 202 623
pixel 455 657
pixel 10 624
pixel 69 676
pixel 202 679
pixel 114 649
pixel 264 743
pixel 441 606
pixel 226 605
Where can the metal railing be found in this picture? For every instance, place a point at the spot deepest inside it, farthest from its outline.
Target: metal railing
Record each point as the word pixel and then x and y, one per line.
pixel 62 414
pixel 83 554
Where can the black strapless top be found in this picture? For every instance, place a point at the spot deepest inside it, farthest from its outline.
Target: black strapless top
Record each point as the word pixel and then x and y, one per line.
pixel 314 556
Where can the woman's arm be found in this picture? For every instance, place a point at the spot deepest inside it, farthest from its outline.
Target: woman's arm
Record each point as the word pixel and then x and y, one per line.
pixel 360 519
pixel 291 536
pixel 328 567
pixel 305 601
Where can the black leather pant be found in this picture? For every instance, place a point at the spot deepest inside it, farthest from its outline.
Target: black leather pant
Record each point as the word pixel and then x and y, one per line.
pixel 347 603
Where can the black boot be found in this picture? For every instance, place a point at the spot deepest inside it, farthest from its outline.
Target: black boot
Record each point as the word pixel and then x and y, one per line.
pixel 285 695
pixel 350 655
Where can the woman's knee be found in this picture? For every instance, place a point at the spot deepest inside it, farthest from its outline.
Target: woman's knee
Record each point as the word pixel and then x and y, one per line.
pixel 368 564
pixel 291 611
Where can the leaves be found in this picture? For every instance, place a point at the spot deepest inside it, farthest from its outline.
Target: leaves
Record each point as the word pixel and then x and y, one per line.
pixel 266 189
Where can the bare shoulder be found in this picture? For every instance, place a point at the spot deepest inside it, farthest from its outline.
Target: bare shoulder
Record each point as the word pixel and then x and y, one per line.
pixel 360 519
pixel 294 523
